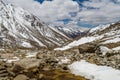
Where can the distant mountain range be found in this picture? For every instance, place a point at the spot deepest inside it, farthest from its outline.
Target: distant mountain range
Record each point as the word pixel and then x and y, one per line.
pixel 72 31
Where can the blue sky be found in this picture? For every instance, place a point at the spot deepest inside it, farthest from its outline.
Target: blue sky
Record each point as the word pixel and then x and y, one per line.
pixel 81 13
pixel 73 0
pixel 41 1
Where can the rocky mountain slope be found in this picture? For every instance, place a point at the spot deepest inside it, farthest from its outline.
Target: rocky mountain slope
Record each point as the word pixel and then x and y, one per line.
pixel 104 35
pixel 100 46
pixel 19 28
pixel 110 35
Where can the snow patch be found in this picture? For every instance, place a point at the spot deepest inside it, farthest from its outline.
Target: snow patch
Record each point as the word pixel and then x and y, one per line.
pixel 115 40
pixel 79 42
pixel 116 48
pixel 99 28
pixel 31 54
pixel 64 60
pixel 12 60
pixel 104 50
pixel 2 49
pixel 94 72
pixel 26 44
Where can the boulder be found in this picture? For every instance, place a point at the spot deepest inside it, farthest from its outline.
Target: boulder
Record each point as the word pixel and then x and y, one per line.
pixel 27 64
pixel 21 77
pixel 87 48
pixel 41 76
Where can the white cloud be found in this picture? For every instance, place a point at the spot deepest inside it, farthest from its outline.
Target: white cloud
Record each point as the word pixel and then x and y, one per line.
pixel 49 11
pixel 101 12
pixel 94 11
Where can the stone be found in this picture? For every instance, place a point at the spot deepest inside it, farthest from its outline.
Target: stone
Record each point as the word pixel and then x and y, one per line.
pixel 21 77
pixel 46 68
pixel 41 76
pixel 17 69
pixel 33 79
pixel 87 48
pixel 28 63
pixel 65 68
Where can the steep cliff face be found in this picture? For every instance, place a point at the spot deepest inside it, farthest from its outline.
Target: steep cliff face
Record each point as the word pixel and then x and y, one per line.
pixel 19 28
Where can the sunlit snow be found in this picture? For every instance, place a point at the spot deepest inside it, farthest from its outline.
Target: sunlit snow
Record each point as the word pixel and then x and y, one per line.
pixel 79 42
pixel 94 72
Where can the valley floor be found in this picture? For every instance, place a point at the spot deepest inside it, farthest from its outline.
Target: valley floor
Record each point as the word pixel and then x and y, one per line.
pixel 32 65
pixel 57 65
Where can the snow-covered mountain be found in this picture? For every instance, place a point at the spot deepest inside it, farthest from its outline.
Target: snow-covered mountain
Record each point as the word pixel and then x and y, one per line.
pixel 106 35
pixel 110 35
pixel 72 31
pixel 20 28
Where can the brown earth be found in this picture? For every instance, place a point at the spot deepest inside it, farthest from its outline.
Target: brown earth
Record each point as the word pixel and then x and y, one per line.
pixel 57 74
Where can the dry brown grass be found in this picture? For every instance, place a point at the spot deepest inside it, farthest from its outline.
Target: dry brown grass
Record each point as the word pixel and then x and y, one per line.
pixel 60 75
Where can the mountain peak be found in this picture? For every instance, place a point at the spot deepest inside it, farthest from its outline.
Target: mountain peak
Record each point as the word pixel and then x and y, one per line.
pixel 23 29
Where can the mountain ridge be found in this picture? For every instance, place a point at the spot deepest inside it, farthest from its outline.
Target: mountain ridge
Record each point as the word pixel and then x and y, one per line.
pixel 22 29
pixel 72 30
pixel 104 35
